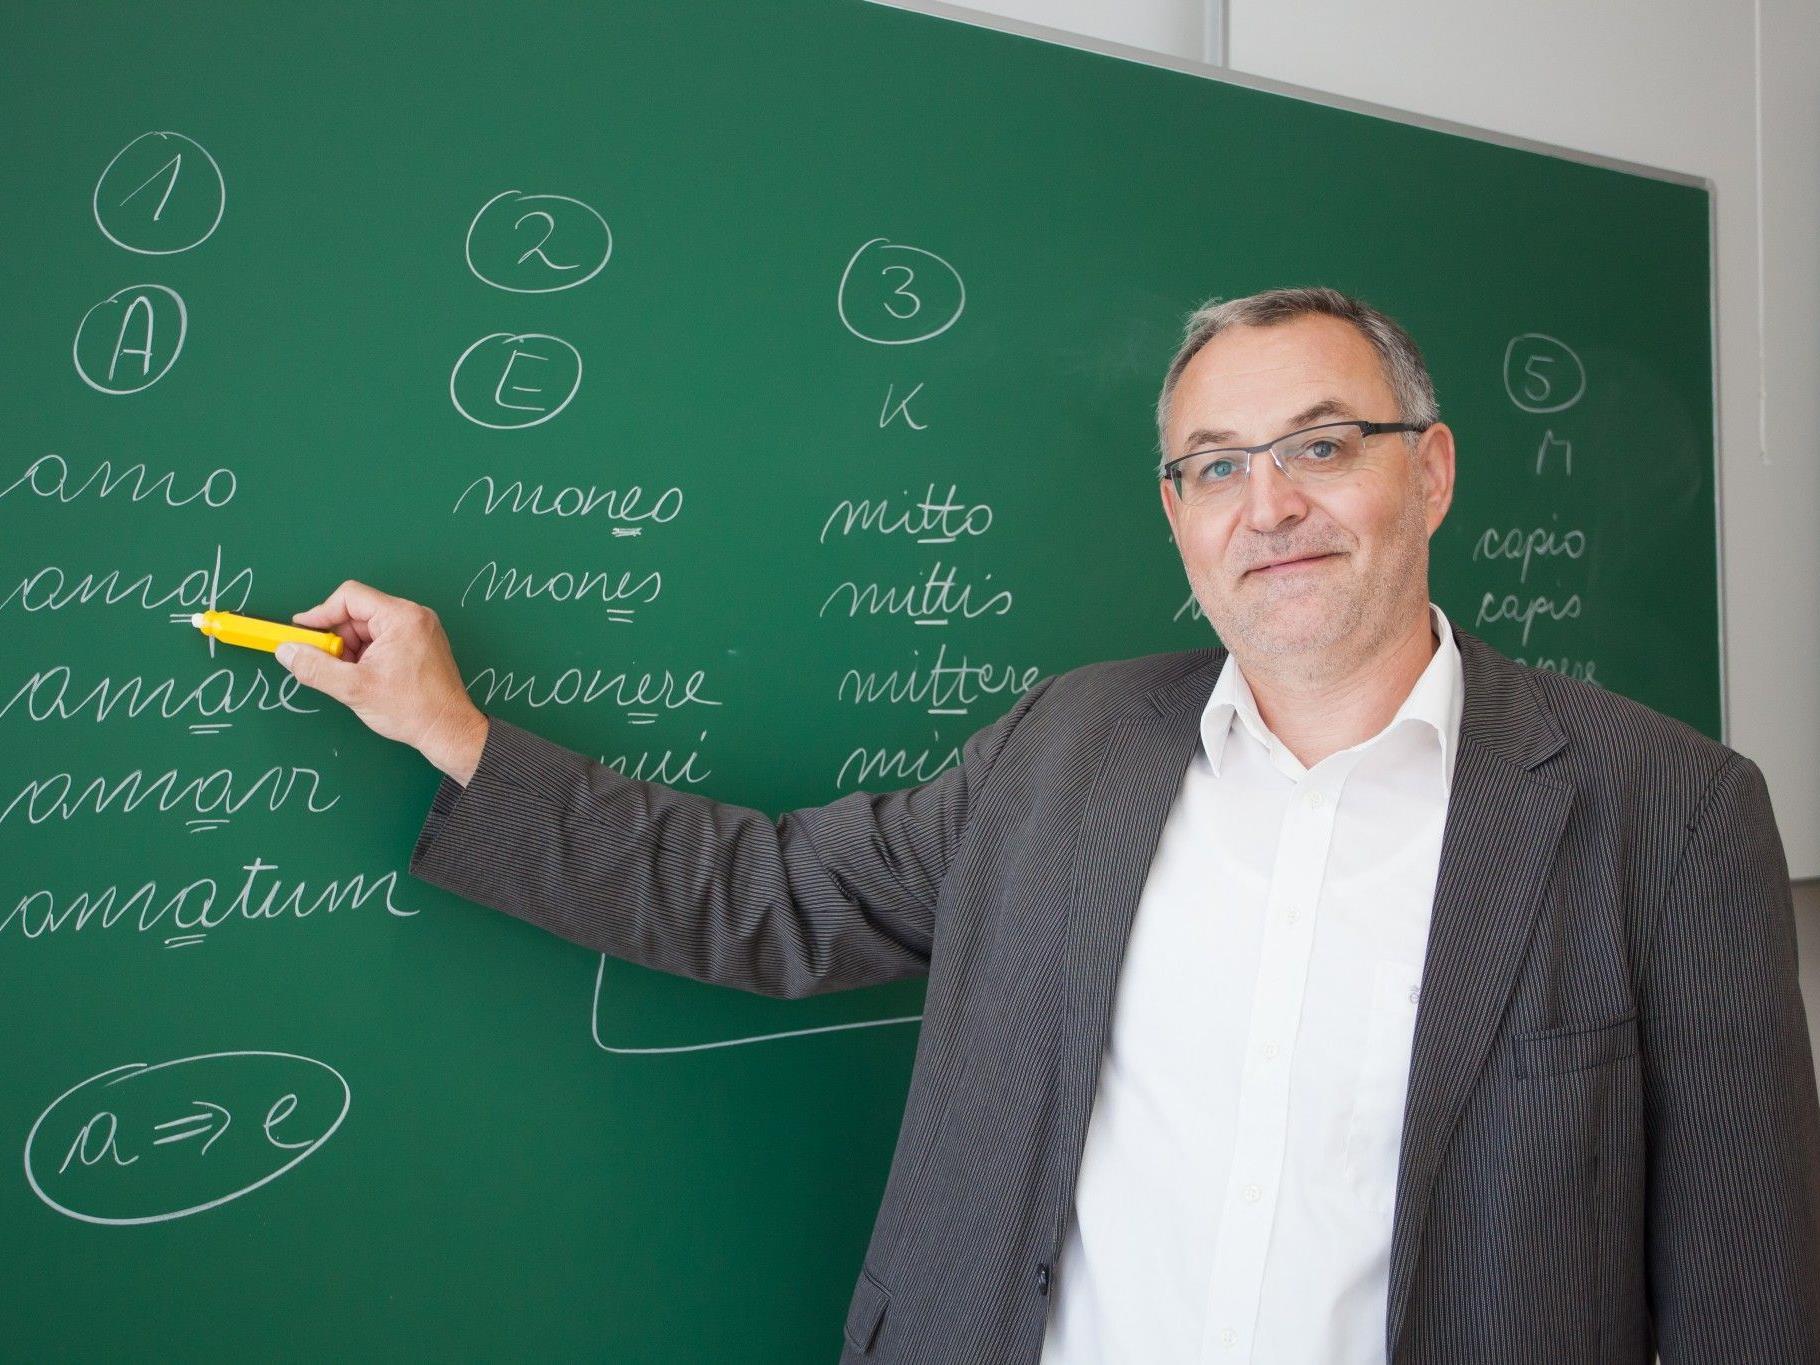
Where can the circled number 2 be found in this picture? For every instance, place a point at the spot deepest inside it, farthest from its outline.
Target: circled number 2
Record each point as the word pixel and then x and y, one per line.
pixel 549 228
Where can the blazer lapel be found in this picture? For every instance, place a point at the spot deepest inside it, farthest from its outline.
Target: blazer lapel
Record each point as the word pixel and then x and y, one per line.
pixel 1504 822
pixel 1139 773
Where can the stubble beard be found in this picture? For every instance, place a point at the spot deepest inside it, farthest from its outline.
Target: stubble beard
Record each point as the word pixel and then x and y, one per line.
pixel 1322 618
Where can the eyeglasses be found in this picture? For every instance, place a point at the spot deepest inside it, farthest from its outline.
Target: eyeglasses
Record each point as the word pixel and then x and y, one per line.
pixel 1312 455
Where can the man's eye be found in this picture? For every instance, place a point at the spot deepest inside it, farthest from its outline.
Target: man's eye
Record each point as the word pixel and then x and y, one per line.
pixel 1321 450
pixel 1217 471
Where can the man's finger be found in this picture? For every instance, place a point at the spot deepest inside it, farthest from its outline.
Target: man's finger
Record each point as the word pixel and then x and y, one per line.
pixel 318 668
pixel 352 601
pixel 354 638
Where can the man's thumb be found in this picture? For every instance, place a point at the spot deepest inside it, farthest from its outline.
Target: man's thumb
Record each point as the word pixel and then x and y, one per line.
pixel 316 668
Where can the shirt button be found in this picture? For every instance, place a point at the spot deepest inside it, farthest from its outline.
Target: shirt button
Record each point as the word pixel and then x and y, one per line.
pixel 1315 800
pixel 1415 994
pixel 1270 1051
pixel 1290 917
pixel 1228 1337
pixel 1252 1193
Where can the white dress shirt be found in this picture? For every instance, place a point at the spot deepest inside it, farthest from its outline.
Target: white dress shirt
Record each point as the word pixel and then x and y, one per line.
pixel 1235 1194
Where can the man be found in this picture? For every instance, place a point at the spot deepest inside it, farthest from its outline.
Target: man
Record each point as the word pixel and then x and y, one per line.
pixel 1425 1007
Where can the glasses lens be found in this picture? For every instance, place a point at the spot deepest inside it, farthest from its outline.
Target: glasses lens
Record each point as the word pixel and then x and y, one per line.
pixel 1323 452
pixel 1212 474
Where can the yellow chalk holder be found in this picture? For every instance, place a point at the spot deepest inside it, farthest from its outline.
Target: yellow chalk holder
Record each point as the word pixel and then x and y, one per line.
pixel 252 633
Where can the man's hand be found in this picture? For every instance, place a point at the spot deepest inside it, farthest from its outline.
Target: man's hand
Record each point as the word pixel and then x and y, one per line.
pixel 396 673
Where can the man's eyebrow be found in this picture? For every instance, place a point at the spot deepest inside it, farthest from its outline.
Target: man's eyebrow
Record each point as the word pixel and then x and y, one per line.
pixel 1307 417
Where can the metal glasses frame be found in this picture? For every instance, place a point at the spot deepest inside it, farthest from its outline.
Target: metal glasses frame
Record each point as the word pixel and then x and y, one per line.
pixel 1171 470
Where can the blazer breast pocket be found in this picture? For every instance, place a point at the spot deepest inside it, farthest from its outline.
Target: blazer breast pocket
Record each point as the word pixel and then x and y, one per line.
pixel 866 1312
pixel 1574 1047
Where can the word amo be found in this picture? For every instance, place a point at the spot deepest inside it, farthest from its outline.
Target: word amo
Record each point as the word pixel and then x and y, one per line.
pixel 621 504
pixel 1520 546
pixel 505 584
pixel 57 797
pixel 1525 611
pixel 50 589
pixel 48 476
pixel 940 686
pixel 896 766
pixel 931 602
pixel 47 695
pixel 195 907
pixel 928 520
pixel 572 687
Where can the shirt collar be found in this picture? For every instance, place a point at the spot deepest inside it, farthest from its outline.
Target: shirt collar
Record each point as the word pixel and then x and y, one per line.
pixel 1436 700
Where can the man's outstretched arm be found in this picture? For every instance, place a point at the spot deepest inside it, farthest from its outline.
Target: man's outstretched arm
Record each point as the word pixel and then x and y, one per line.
pixel 820 899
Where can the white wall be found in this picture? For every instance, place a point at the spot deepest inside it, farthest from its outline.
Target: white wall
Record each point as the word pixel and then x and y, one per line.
pixel 1175 27
pixel 1728 92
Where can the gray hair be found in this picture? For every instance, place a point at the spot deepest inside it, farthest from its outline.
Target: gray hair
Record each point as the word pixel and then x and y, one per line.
pixel 1404 368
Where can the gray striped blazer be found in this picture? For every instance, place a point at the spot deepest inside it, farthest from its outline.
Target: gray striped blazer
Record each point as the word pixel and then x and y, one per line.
pixel 1611 1143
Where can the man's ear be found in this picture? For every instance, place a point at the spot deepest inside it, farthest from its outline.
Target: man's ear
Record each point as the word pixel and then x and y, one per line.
pixel 1435 456
pixel 1170 507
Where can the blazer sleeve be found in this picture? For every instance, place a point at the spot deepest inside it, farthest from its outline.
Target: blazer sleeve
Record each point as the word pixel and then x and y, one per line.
pixel 1729 1091
pixel 821 899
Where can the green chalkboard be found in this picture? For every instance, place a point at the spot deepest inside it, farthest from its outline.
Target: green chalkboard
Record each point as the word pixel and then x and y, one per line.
pixel 762 394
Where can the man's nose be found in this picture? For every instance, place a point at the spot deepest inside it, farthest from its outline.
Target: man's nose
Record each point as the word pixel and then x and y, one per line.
pixel 1271 500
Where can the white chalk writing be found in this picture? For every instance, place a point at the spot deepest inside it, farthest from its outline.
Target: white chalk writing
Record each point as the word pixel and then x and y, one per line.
pixel 633 691
pixel 1586 669
pixel 121 1107
pixel 1521 546
pixel 931 602
pixel 943 687
pixel 1525 611
pixel 52 589
pixel 620 504
pixel 58 797
pixel 47 695
pixel 931 520
pixel 197 905
pixel 896 766
pixel 668 768
pixel 48 476
pixel 506 584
